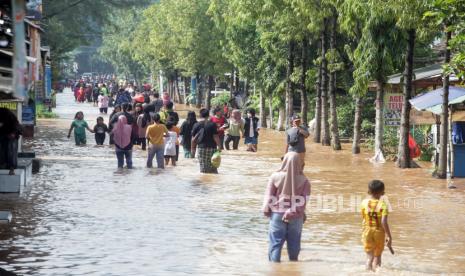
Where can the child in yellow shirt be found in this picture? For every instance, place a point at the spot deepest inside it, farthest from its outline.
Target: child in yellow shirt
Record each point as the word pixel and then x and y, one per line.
pixel 375 225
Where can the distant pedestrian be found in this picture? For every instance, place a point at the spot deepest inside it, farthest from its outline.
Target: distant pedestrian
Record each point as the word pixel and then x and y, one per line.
pixel 170 145
pixel 166 98
pixel 234 130
pixel 103 103
pixel 186 133
pixel 123 97
pixel 122 135
pixel 89 93
pixel 205 138
pixel 295 138
pixel 10 130
pixel 126 111
pixel 285 200
pixel 82 94
pixel 177 130
pixel 79 126
pixel 155 134
pixel 157 103
pixel 138 110
pixel 112 121
pixel 168 112
pixel 104 90
pixel 100 130
pixel 95 94
pixel 226 112
pixel 251 129
pixel 220 121
pixel 143 121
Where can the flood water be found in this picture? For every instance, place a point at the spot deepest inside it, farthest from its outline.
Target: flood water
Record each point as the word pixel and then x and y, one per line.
pixel 84 217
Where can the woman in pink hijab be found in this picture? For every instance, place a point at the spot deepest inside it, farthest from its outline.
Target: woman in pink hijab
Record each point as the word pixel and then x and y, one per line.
pixel 122 133
pixel 285 200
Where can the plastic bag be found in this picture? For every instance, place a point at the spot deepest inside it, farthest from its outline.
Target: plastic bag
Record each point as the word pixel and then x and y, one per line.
pixel 216 159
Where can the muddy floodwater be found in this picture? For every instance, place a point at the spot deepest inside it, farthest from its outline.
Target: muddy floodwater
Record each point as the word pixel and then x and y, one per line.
pixel 84 217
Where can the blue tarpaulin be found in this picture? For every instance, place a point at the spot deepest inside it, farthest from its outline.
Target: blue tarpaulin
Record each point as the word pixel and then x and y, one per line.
pixel 458 131
pixel 432 99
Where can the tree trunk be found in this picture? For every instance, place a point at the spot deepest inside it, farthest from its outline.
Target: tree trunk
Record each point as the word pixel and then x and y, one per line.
pixel 262 109
pixel 231 84
pixel 303 78
pixel 237 81
pixel 335 142
pixel 176 84
pixel 186 88
pixel 442 169
pixel 281 118
pixel 170 87
pixel 379 124
pixel 138 82
pixel 199 92
pixel 404 158
pixel 289 87
pixel 246 90
pixel 357 126
pixel 317 130
pixel 325 139
pixel 211 87
pixel 270 107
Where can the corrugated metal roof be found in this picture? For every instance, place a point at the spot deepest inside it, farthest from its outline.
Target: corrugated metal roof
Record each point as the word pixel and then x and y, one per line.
pixel 431 99
pixel 434 70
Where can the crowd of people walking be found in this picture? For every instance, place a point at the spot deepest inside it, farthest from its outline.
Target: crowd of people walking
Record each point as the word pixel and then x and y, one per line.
pixel 144 118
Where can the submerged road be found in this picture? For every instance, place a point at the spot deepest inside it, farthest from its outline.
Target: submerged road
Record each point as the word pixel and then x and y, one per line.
pixel 84 217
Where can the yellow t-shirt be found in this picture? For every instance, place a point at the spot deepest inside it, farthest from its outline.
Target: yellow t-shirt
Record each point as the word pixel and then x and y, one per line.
pixel 372 212
pixel 155 134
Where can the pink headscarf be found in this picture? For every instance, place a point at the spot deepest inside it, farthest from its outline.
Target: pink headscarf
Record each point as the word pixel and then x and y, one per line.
pixel 289 179
pixel 122 132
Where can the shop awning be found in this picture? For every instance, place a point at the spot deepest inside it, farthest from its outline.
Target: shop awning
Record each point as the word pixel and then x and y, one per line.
pixel 432 101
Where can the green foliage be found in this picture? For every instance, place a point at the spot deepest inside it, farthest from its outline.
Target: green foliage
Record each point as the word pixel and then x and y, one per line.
pixel 69 24
pixel 368 128
pixel 391 142
pixel 179 35
pixel 221 99
pixel 214 37
pixel 43 113
pixel 427 152
pixel 117 48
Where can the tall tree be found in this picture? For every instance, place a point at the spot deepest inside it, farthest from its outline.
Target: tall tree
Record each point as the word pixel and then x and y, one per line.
pixel 443 156
pixel 325 135
pixel 375 56
pixel 70 24
pixel 409 14
pixel 289 82
pixel 303 81
pixel 335 142
pixel 450 16
pixel 317 130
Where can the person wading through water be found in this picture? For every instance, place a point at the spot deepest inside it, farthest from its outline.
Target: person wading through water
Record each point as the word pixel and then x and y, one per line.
pixel 285 200
pixel 205 138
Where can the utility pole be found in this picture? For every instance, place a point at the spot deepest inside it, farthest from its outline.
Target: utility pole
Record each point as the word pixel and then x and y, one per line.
pixel 19 58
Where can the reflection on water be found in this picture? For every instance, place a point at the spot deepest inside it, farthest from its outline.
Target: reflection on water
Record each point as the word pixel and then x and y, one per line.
pixel 84 217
